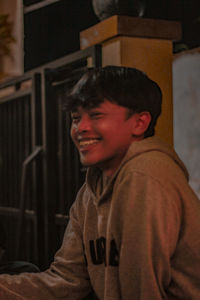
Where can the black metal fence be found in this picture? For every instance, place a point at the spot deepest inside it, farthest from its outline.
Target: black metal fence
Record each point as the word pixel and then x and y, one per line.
pixel 40 171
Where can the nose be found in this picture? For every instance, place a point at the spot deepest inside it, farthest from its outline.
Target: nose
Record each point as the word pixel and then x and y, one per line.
pixel 84 124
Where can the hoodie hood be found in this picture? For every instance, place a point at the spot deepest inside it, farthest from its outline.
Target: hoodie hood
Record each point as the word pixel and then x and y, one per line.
pixel 150 145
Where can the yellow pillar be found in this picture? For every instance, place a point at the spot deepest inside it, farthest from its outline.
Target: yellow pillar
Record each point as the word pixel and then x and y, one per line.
pixel 145 44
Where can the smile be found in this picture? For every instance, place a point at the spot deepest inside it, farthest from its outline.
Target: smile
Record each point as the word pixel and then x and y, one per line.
pixel 85 143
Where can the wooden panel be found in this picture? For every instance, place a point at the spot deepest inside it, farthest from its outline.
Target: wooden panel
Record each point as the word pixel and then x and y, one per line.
pixel 111 52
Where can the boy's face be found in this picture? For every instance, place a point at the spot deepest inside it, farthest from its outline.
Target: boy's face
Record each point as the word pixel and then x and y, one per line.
pixel 102 135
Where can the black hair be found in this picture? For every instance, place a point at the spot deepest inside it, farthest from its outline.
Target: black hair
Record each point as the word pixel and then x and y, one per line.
pixel 128 87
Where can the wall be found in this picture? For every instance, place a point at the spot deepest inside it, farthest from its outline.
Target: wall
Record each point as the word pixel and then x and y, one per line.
pixel 186 94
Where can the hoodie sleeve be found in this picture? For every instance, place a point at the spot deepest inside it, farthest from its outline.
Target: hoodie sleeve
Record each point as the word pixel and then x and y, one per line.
pixel 67 277
pixel 150 224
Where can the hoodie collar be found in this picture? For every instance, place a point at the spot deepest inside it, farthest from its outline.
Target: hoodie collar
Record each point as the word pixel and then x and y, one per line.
pixel 135 149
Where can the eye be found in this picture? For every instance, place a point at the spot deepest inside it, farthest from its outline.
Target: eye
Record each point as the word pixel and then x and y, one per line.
pixel 75 118
pixel 96 115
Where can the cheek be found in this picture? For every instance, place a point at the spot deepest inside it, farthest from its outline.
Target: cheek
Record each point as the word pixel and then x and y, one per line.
pixel 105 128
pixel 72 133
pixel 110 129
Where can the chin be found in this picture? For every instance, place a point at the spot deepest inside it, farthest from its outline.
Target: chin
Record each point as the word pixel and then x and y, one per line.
pixel 89 164
pixel 86 163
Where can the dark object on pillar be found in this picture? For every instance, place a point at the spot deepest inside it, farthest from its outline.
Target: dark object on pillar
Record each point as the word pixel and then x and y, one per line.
pixel 107 8
pixel 156 9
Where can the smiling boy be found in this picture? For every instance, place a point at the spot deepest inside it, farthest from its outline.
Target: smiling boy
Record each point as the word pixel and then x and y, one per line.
pixel 134 227
pixel 104 133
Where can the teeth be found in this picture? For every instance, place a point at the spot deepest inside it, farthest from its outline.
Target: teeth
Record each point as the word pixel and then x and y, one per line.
pixel 86 143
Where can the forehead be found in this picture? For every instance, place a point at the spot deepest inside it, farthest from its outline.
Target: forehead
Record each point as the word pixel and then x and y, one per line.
pixel 105 106
pixel 84 102
pixel 87 107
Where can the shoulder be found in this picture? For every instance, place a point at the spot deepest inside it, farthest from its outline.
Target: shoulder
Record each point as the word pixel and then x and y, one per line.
pixel 154 165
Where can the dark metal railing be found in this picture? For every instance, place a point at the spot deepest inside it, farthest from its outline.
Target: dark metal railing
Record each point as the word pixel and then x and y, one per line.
pixel 40 171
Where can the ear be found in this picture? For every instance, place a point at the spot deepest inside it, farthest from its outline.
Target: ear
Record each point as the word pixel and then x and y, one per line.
pixel 141 123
